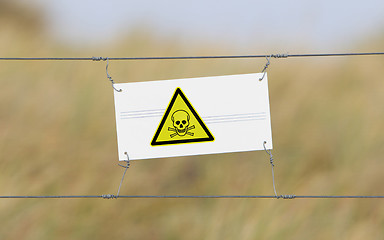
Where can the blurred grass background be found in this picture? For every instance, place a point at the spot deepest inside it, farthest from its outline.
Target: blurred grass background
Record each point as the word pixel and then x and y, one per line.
pixel 57 137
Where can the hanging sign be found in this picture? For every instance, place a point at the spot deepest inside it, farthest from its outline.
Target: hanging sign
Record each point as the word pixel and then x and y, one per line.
pixel 192 116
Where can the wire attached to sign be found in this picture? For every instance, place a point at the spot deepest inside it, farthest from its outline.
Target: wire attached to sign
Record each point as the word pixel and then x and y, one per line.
pixel 272 165
pixel 111 196
pixel 265 67
pixel 125 171
pixel 109 76
pixel 273 176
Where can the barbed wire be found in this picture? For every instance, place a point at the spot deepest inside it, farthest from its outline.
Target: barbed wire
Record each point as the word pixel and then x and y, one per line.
pixel 285 55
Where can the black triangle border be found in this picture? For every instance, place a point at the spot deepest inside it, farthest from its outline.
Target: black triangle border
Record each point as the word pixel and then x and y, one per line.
pixel 170 105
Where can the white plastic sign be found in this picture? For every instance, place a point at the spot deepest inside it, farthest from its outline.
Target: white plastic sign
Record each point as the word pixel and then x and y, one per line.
pixel 192 116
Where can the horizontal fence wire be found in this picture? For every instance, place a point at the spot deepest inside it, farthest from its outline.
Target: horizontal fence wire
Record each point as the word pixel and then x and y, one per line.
pixel 189 57
pixel 109 196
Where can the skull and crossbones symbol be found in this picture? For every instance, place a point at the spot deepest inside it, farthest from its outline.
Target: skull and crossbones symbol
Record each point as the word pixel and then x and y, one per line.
pixel 180 119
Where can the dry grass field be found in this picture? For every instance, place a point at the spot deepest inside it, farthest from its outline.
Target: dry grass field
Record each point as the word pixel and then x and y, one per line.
pixel 58 137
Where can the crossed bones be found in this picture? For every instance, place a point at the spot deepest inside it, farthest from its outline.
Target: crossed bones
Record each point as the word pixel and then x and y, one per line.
pixel 177 133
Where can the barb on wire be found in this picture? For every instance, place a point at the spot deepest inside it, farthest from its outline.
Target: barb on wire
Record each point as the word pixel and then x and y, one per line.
pixel 109 76
pixel 284 55
pixel 109 196
pixel 99 59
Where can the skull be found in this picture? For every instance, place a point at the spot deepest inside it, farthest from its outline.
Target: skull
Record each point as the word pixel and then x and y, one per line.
pixel 180 120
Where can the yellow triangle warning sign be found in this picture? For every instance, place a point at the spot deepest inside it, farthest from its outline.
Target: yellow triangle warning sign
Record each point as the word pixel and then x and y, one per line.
pixel 181 124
